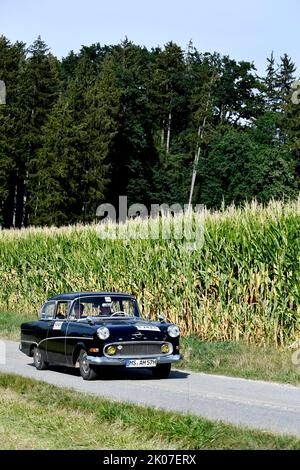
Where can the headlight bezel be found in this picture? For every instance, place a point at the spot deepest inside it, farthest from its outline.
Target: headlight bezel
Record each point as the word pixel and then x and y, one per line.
pixel 103 333
pixel 173 331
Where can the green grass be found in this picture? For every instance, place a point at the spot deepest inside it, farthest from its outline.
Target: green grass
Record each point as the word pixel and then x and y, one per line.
pixel 240 360
pixel 10 324
pixel 35 415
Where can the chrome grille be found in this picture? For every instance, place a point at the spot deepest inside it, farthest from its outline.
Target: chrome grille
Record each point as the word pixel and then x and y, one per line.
pixel 139 349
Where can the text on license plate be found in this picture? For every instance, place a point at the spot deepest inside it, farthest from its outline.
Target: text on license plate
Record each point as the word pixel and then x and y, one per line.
pixel 141 362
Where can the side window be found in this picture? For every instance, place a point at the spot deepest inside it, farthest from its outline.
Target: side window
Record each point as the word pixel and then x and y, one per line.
pixel 48 310
pixel 79 310
pixel 62 310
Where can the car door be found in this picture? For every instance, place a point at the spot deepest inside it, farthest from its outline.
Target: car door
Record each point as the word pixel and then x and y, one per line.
pixel 56 338
pixel 42 327
pixel 78 331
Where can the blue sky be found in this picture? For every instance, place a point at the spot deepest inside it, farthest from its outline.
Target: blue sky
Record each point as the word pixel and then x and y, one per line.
pixel 247 30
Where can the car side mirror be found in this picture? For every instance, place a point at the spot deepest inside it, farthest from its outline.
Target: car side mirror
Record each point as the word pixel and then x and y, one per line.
pixel 161 318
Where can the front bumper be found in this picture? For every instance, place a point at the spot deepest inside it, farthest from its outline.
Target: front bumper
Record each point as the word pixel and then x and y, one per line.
pixel 115 361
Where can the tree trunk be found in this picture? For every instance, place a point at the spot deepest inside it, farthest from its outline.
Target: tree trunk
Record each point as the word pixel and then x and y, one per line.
pixel 25 208
pixel 198 150
pixel 162 138
pixel 196 159
pixel 169 132
pixel 15 206
pixel 21 189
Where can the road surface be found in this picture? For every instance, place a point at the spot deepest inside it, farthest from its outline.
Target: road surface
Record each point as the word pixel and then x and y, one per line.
pixel 249 403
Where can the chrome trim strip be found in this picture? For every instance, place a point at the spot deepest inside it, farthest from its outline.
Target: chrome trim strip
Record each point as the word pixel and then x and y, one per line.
pixel 105 361
pixel 64 337
pixel 136 356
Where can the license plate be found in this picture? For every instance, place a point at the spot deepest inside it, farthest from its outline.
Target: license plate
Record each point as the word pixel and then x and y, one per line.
pixel 141 363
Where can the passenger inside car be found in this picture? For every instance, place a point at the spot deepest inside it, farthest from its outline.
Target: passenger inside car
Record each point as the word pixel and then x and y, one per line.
pixel 78 310
pixel 105 310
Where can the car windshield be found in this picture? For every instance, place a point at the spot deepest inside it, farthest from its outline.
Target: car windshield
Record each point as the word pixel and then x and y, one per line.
pixel 103 306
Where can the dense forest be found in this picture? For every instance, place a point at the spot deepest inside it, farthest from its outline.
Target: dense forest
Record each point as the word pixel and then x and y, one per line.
pixel 125 120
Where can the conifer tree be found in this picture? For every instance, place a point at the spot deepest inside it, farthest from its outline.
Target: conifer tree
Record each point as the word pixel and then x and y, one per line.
pixel 271 93
pixel 72 164
pixel 134 152
pixel 285 77
pixel 40 92
pixel 12 129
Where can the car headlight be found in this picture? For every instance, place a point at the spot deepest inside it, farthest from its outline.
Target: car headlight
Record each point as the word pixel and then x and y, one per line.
pixel 103 332
pixel 173 331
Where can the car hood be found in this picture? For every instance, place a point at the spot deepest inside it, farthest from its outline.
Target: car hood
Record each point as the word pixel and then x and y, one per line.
pixel 141 329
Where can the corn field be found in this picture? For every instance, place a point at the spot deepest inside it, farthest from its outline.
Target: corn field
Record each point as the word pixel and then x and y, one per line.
pixel 241 283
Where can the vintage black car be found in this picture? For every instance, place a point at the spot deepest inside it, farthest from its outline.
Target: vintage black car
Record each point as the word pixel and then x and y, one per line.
pixel 92 330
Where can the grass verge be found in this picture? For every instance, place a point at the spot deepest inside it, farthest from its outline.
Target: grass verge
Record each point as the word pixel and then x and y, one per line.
pixel 35 415
pixel 10 324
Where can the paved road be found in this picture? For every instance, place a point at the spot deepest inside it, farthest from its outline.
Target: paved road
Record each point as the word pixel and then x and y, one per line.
pixel 250 403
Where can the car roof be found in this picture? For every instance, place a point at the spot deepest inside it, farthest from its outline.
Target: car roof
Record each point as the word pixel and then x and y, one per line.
pixel 75 295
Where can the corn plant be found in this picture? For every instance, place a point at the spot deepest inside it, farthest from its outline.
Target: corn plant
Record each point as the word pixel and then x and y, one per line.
pixel 241 283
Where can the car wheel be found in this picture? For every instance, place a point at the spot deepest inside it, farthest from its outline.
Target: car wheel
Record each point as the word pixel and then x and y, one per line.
pixel 161 371
pixel 87 372
pixel 38 359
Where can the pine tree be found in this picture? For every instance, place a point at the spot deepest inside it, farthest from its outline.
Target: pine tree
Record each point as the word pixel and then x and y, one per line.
pixel 285 77
pixel 271 92
pixel 134 152
pixel 72 164
pixel 169 92
pixel 40 89
pixel 12 128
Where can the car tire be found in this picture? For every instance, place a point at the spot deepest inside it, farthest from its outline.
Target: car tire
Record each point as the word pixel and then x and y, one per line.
pixel 87 371
pixel 161 371
pixel 38 359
